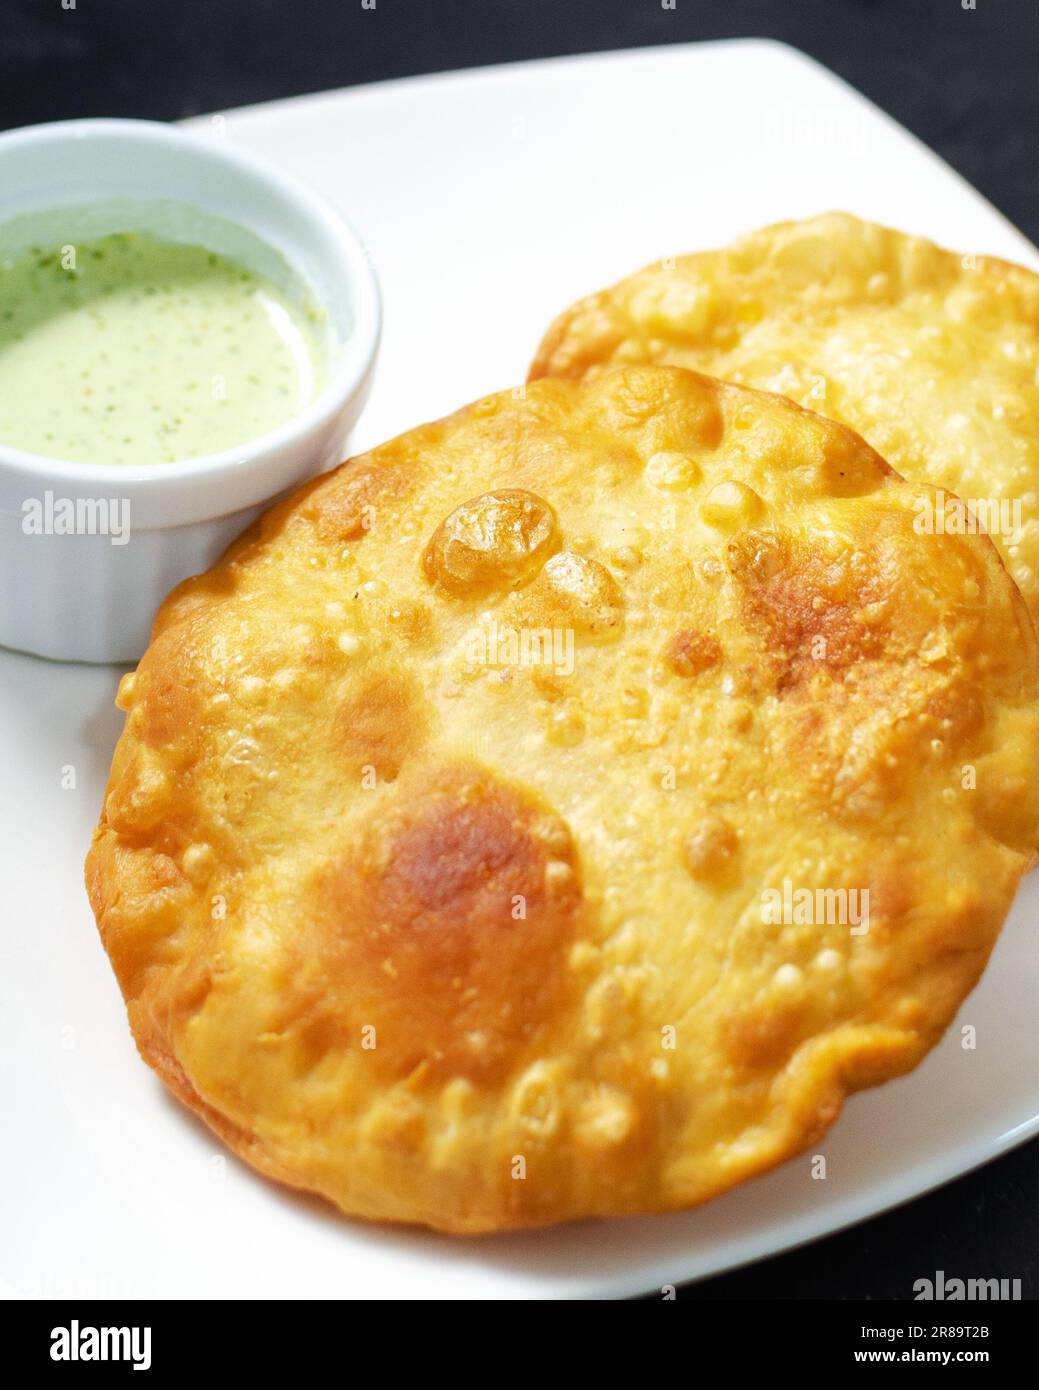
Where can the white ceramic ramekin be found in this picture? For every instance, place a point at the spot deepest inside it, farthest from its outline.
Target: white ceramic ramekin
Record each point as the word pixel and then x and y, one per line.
pixel 89 597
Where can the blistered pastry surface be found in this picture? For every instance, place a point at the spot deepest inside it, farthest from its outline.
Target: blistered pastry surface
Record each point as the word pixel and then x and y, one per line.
pixel 474 930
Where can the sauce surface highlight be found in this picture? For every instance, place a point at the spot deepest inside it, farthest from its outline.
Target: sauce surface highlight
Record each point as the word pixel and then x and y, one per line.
pixel 130 350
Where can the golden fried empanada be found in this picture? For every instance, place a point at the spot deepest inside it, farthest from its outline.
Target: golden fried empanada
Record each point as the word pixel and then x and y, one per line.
pixel 933 357
pixel 557 811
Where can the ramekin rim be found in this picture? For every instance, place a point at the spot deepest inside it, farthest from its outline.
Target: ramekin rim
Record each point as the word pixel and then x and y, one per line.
pixel 348 378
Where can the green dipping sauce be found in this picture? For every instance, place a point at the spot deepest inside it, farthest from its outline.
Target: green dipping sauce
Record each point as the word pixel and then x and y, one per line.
pixel 132 350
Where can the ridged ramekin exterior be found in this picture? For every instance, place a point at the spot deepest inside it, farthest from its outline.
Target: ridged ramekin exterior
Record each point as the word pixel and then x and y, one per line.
pixel 81 598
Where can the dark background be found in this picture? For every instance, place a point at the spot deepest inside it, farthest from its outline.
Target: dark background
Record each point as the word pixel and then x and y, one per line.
pixel 966 82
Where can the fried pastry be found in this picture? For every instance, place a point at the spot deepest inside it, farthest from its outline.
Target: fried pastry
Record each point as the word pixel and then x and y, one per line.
pixel 933 357
pixel 557 811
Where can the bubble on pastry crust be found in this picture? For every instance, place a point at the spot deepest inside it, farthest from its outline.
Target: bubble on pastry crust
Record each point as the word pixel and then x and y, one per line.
pixel 575 593
pixel 672 472
pixel 850 468
pixel 710 848
pixel 658 412
pixel 588 594
pixel 690 653
pixel 829 960
pixel 730 505
pixel 559 876
pixel 788 977
pixel 396 1122
pixel 552 832
pixel 565 727
pixel 127 688
pixel 674 303
pixel 138 927
pixel 496 541
pixel 198 862
pixel 249 688
pixel 446 928
pixel 141 796
pixel 606 1120
pixel 536 1099
pixel 806 255
pixel 626 557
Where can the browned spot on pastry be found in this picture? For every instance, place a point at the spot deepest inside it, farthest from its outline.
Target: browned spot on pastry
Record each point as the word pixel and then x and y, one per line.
pixel 412 620
pixel 814 611
pixel 380 723
pixel 448 928
pixel 175 673
pixel 690 653
pixel 346 507
pixel 761 1039
pixel 495 541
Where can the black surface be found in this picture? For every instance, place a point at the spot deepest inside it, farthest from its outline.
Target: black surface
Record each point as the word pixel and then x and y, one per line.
pixel 983 1226
pixel 965 81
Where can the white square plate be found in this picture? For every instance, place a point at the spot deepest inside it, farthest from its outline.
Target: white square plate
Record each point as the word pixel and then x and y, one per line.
pixel 489 200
